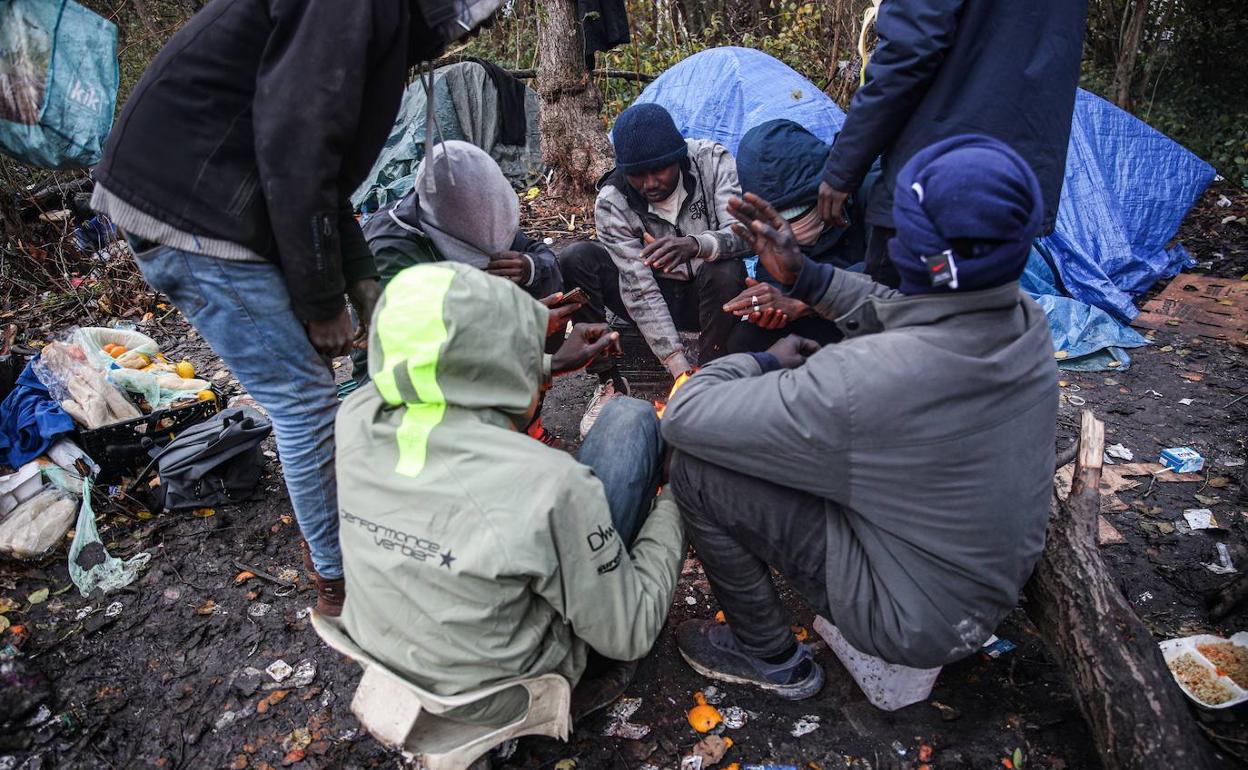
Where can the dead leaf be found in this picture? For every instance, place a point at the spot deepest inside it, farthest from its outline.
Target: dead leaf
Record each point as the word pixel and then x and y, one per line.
pixel 1155 470
pixel 1207 500
pixel 800 633
pixel 1219 482
pixel 243 577
pixel 207 608
pixel 270 700
pixel 204 513
pixel 712 749
pixel 1108 534
pixel 4 624
pixel 294 756
pixel 1192 376
pixel 38 597
pixel 8 605
pixel 1165 528
pixel 240 762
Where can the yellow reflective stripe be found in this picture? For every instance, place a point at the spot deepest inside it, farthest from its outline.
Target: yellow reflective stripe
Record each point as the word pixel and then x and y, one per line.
pixel 411 331
pixel 413 436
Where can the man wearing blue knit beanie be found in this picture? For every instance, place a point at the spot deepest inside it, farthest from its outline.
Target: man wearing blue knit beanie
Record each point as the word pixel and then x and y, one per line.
pixel 667 256
pixel 899 479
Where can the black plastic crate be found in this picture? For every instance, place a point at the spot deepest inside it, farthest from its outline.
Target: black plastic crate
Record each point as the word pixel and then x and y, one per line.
pixel 124 448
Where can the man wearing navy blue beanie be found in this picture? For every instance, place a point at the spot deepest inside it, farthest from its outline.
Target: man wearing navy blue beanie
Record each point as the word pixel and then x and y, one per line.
pixel 667 257
pixel 899 479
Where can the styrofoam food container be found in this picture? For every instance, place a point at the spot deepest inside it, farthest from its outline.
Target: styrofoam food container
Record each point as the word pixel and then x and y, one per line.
pixel 1173 648
pixel 19 486
pixel 888 686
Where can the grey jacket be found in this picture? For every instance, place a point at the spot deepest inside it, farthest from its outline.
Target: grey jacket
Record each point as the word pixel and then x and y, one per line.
pixel 929 431
pixel 623 219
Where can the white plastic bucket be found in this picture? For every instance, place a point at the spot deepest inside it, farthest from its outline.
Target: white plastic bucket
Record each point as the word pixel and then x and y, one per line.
pixel 888 686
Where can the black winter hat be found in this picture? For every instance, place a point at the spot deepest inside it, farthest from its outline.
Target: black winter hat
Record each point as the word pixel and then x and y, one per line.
pixel 645 138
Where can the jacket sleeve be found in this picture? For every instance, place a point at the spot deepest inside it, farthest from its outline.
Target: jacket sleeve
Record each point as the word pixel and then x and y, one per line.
pixel 546 276
pixel 309 90
pixel 913 38
pixel 797 421
pixel 832 293
pixel 723 243
pixel 620 232
pixel 615 599
pixel 357 258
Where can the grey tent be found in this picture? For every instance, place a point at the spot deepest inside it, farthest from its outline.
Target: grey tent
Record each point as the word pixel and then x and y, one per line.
pixel 466 106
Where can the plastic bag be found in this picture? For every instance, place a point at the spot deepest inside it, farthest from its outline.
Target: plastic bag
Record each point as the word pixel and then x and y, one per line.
pixel 91 567
pixel 37 524
pixel 82 390
pixel 140 370
pixel 58 82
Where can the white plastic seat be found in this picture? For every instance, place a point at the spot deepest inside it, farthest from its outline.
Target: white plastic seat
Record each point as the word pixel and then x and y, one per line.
pixel 403 716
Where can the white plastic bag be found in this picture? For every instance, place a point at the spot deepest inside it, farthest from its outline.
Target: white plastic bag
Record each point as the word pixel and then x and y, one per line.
pixel 37 524
pixel 159 384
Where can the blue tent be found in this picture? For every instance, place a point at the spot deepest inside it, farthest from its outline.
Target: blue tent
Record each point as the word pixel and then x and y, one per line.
pixel 1126 190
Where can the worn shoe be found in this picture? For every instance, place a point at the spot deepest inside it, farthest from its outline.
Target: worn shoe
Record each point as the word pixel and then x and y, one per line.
pixel 602 394
pixel 330 594
pixel 600 686
pixel 711 649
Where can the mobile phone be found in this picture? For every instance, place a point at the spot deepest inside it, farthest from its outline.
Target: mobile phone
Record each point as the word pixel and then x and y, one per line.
pixel 575 297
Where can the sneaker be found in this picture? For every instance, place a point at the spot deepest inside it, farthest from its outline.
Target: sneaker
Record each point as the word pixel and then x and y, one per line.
pixel 601 686
pixel 711 649
pixel 602 394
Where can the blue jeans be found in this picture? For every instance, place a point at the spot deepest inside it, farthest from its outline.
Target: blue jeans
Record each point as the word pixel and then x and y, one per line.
pixel 625 451
pixel 242 309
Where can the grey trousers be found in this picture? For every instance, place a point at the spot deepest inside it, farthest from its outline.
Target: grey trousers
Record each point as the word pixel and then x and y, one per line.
pixel 741 527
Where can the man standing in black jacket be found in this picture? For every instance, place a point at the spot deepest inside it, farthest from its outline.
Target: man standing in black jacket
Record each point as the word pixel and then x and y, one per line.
pixel 941 68
pixel 229 172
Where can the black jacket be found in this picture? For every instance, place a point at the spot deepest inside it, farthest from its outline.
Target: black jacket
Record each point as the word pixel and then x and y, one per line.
pixel 1006 68
pixel 256 122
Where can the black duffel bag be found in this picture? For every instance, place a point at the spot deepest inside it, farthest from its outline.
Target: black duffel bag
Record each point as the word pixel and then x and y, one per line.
pixel 215 462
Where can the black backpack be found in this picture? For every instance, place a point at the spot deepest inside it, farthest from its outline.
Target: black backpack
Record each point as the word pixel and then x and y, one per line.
pixel 215 462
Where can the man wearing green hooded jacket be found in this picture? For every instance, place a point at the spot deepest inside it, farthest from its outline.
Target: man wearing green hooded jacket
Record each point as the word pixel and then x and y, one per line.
pixel 473 554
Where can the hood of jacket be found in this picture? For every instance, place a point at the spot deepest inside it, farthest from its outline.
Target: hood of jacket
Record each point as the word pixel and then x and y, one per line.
pixel 448 335
pixel 457 178
pixel 783 163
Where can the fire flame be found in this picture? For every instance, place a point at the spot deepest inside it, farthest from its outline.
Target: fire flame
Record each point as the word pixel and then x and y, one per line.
pixel 661 406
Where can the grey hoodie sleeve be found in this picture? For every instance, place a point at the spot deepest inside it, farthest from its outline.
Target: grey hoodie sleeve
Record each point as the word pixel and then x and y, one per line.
pixel 723 243
pixel 615 600
pixel 797 421
pixel 831 292
pixel 620 231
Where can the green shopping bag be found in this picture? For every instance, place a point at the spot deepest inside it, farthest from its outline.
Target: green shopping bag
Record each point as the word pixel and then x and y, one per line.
pixel 58 82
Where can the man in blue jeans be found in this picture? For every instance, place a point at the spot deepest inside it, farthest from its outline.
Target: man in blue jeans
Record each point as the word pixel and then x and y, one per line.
pixel 229 171
pixel 474 555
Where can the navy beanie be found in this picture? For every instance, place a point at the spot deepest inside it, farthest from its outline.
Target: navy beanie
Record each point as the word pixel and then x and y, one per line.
pixel 782 163
pixel 645 139
pixel 969 188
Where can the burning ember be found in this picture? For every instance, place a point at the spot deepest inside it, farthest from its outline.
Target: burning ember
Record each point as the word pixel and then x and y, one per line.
pixel 661 406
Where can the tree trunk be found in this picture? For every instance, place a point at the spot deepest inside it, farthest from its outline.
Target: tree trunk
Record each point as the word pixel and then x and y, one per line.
pixel 1138 715
pixel 1132 34
pixel 574 142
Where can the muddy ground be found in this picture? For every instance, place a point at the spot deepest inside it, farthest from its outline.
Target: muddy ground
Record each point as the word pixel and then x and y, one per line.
pixel 155 675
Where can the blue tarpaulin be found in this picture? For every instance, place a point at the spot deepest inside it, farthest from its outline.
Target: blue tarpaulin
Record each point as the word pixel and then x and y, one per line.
pixel 1127 188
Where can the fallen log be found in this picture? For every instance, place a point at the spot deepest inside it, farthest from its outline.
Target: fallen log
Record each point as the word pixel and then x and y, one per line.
pixel 1138 716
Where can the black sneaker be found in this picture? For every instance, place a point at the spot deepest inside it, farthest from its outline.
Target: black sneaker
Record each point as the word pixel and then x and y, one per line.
pixel 711 649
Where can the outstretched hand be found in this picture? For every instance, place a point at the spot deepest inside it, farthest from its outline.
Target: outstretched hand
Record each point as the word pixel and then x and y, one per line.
pixel 586 344
pixel 766 306
pixel 792 351
pixel 769 235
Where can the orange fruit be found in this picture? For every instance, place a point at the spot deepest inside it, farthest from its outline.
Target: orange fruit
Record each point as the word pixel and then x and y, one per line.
pixel 186 370
pixel 703 717
pixel 109 348
pixel 206 395
pixel 118 351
